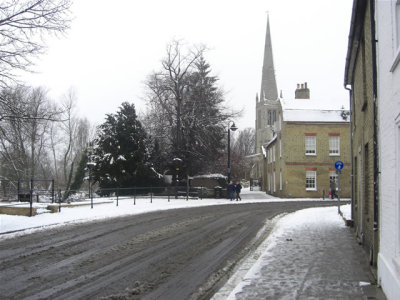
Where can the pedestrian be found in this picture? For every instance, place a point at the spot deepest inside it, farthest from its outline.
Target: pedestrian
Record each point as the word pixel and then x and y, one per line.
pixel 332 187
pixel 231 189
pixel 238 188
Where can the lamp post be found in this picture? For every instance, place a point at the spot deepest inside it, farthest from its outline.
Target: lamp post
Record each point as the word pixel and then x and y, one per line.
pixel 233 128
pixel 177 164
pixel 90 165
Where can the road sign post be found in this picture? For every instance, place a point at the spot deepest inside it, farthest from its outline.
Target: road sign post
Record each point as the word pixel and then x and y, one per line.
pixel 339 166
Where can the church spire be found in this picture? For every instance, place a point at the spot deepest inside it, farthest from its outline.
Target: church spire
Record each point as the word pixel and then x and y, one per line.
pixel 269 89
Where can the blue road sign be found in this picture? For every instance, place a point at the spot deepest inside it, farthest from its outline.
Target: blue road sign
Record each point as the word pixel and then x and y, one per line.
pixel 339 165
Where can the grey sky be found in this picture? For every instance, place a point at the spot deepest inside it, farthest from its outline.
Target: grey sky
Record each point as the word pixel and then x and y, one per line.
pixel 113 46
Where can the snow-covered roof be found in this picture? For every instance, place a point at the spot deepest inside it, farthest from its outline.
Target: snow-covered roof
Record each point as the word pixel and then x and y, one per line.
pixel 264 151
pixel 210 176
pixel 272 140
pixel 309 110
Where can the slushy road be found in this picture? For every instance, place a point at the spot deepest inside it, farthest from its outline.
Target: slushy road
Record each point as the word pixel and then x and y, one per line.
pixel 172 254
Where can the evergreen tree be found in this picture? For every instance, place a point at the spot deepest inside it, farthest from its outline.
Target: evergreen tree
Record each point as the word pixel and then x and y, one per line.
pixel 80 173
pixel 120 152
pixel 203 120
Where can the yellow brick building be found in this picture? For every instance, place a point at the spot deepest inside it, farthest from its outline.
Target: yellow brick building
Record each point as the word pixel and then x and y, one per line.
pixel 299 161
pixel 361 80
pixel 280 164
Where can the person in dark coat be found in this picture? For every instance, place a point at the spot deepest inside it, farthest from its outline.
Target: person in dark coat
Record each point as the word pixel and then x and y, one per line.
pixel 231 189
pixel 238 188
pixel 332 187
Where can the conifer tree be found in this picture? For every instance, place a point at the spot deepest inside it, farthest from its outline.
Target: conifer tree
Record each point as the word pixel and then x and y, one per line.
pixel 120 152
pixel 80 173
pixel 203 120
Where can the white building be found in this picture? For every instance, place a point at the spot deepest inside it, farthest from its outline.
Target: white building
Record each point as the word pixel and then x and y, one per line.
pixel 387 18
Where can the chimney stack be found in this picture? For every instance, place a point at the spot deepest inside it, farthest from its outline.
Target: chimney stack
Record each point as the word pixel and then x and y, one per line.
pixel 302 91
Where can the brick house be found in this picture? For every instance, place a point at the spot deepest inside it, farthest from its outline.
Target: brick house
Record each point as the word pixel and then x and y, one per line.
pixel 360 79
pixel 300 158
pixel 372 75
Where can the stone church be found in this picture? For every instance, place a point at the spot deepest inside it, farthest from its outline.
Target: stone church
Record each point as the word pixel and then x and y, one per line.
pixel 267 105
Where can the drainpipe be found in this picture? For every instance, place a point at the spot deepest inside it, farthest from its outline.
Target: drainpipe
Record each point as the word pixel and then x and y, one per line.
pixel 351 154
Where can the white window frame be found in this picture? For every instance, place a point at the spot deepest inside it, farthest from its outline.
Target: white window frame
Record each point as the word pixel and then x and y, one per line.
pixel 396 13
pixel 273 153
pixel 334 145
pixel 397 23
pixel 279 124
pixel 397 172
pixel 280 180
pixel 311 180
pixel 310 142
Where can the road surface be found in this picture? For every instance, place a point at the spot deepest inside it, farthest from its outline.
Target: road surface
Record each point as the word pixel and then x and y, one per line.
pixel 173 254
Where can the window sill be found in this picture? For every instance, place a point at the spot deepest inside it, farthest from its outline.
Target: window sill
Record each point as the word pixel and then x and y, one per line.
pixel 311 190
pixel 311 154
pixel 330 154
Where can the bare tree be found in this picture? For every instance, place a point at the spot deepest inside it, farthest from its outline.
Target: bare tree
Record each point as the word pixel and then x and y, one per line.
pixel 69 139
pixel 23 25
pixel 24 141
pixel 186 113
pixel 167 87
pixel 243 145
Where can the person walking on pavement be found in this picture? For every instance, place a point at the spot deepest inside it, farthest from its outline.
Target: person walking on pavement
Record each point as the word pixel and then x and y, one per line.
pixel 332 187
pixel 231 189
pixel 238 188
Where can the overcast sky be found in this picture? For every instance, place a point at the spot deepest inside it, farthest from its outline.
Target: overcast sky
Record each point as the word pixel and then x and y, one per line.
pixel 113 45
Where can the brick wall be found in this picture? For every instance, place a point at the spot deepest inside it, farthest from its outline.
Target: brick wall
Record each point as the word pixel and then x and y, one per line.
pixel 362 109
pixel 294 163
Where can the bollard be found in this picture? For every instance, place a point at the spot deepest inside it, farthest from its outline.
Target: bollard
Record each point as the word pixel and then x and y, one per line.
pixel 31 198
pixel 59 200
pixel 52 191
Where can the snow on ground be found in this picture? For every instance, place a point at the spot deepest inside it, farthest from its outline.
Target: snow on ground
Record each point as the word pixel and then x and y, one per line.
pixel 11 226
pixel 22 225
pixel 250 269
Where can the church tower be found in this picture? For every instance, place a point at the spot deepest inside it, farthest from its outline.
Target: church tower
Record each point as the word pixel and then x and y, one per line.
pixel 267 103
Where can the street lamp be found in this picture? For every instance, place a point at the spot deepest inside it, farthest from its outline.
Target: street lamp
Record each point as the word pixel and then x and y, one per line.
pixel 90 165
pixel 233 128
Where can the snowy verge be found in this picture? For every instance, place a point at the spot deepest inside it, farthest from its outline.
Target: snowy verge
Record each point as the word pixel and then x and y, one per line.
pixel 9 224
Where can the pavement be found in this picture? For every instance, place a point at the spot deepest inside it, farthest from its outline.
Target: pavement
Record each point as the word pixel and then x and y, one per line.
pixel 311 256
